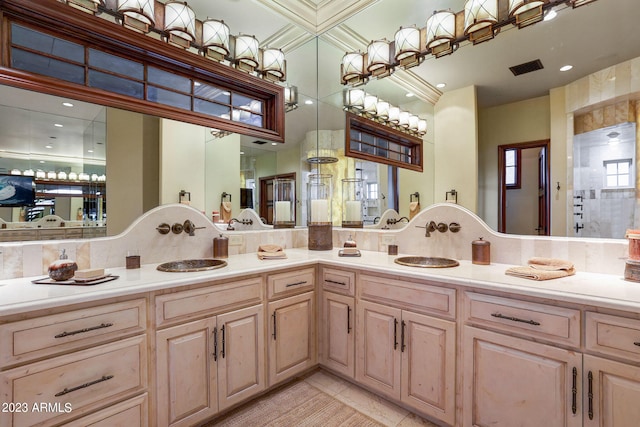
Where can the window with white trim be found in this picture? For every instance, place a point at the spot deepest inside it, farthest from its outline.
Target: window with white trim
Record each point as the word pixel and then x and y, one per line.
pixel 617 173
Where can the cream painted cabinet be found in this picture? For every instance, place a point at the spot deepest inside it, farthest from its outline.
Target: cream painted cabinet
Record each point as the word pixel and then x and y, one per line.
pixel 338 333
pixel 407 356
pixel 510 381
pixel 292 340
pixel 208 365
pixel 612 388
pixel 337 321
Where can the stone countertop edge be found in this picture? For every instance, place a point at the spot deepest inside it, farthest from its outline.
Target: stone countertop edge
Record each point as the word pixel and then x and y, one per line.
pixel 602 290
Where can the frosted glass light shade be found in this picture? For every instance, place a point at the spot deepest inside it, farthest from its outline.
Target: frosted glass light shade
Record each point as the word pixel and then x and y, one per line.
pixel 139 14
pixel 403 119
pixel 246 52
pixel 352 67
pixel 370 103
pixel 382 109
pixel 422 127
pixel 180 20
pixel 526 12
pixel 413 122
pixel 215 39
pixel 273 64
pixel 394 115
pixel 378 57
pixel 407 44
pixel 441 32
pixel 479 18
pixel 354 98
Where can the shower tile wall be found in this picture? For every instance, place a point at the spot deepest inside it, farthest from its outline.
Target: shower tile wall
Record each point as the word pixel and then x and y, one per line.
pixel 605 212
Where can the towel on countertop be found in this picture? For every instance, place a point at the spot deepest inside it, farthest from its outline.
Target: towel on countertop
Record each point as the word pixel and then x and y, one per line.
pixel 271 252
pixel 225 211
pixel 414 208
pixel 543 269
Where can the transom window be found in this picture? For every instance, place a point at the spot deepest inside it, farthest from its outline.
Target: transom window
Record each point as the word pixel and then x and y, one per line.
pixel 617 173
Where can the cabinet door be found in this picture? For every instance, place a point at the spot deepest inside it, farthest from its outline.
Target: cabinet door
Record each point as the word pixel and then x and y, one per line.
pixel 612 393
pixel 292 343
pixel 515 382
pixel 378 347
pixel 428 352
pixel 338 343
pixel 241 355
pixel 186 373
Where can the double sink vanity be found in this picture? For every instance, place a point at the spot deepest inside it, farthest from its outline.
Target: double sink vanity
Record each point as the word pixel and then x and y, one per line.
pixel 461 346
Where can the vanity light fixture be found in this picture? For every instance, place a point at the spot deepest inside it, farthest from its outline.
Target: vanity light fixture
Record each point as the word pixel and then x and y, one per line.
pixel 52 175
pixel 138 15
pixel 215 39
pixel 15 172
pixel 40 174
pixel 441 33
pixel 526 12
pixel 28 172
pixel 370 106
pixel 73 176
pixel 479 21
pixel 62 175
pixel 180 23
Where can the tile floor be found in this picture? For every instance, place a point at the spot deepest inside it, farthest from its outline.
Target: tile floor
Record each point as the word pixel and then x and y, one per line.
pixel 365 402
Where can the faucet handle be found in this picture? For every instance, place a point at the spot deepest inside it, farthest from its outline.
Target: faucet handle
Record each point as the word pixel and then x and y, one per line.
pixel 454 227
pixel 442 227
pixel 163 228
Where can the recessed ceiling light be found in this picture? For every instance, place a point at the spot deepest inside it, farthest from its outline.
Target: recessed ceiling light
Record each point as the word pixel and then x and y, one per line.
pixel 566 67
pixel 48 146
pixel 89 151
pixel 441 85
pixel 58 125
pixel 241 153
pixel 67 104
pixel 274 143
pixel 41 161
pixel 409 94
pixel 550 15
pixel 308 102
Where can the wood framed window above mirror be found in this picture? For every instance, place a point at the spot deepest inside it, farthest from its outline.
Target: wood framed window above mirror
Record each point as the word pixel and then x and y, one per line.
pixel 368 140
pixel 52 48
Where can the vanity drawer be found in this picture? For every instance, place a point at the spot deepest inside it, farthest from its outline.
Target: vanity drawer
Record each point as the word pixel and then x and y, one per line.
pixel 613 335
pixel 339 281
pixel 536 320
pixel 290 282
pixel 131 412
pixel 44 336
pixel 195 303
pixel 75 383
pixel 419 297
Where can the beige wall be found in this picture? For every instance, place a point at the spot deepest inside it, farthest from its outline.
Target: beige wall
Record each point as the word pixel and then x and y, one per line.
pixel 456 147
pixel 222 165
pixel 182 162
pixel 513 123
pixel 132 155
pixel 561 163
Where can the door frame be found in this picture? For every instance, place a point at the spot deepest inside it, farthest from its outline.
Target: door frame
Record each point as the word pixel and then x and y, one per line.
pixel 502 187
pixel 264 202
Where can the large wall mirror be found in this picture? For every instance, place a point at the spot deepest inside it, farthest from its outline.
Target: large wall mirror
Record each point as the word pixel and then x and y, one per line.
pixel 163 157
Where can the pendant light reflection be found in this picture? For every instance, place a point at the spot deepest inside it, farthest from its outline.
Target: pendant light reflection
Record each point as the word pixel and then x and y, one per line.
pixel 215 39
pixel 138 14
pixel 246 53
pixel 180 23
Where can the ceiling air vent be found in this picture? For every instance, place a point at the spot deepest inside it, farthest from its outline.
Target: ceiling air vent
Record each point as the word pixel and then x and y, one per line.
pixel 259 142
pixel 527 67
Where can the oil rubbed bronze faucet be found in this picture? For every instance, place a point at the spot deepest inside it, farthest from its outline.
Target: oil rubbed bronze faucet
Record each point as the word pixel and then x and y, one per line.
pixel 431 226
pixel 393 221
pixel 230 226
pixel 189 227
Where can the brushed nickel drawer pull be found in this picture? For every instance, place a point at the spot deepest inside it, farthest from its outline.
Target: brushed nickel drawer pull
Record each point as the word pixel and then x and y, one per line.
pixel 85 385
pixel 335 282
pixel 296 284
pixel 81 331
pixel 515 319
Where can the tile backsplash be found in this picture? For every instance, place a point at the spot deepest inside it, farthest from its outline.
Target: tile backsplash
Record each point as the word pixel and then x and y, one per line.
pixel 33 258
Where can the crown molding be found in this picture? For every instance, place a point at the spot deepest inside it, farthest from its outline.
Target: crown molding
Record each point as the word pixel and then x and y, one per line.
pixel 288 38
pixel 300 12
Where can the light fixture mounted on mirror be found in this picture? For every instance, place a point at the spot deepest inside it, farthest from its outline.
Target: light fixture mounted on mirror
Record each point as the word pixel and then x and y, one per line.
pixel 180 27
pixel 479 21
pixel 357 101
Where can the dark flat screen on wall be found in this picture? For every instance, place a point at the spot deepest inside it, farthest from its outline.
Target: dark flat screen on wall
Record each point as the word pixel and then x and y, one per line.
pixel 17 191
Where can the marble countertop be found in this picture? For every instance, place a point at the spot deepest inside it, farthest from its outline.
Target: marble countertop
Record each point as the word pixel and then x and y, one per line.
pixel 610 291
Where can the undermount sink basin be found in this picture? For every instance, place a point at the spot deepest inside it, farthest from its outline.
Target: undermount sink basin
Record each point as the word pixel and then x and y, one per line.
pixel 188 265
pixel 426 262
